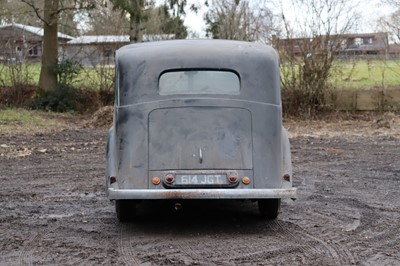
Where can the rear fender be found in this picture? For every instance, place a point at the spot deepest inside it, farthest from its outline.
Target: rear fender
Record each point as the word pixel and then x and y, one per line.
pixel 286 159
pixel 111 158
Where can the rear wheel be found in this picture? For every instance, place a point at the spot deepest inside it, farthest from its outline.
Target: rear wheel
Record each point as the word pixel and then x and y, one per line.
pixel 126 210
pixel 269 208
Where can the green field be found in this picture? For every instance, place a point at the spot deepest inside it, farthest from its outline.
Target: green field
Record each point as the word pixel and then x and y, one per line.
pixel 366 74
pixel 345 74
pixel 19 73
pixel 89 78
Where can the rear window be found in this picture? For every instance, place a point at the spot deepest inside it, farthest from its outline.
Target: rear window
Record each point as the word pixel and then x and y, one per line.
pixel 199 82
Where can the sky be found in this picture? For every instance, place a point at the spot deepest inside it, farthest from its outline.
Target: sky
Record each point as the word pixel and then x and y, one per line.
pixel 193 21
pixel 370 10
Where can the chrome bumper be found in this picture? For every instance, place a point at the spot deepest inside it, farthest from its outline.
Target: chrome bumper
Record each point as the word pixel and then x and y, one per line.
pixel 144 194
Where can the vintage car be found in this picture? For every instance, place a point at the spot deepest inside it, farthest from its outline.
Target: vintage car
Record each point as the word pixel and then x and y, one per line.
pixel 198 119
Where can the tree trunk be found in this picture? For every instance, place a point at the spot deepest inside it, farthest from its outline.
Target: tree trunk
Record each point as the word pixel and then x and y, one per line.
pixel 48 77
pixel 134 27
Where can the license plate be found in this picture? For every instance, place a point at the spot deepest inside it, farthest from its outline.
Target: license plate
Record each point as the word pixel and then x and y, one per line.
pixel 201 179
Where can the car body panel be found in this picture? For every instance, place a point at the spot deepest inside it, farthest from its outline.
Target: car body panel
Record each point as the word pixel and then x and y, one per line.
pixel 240 134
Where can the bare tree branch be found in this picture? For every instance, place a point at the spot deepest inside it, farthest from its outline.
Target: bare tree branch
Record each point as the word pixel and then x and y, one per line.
pixel 35 9
pixel 239 20
pixel 312 38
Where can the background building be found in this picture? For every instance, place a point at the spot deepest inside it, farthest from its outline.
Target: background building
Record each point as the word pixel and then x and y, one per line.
pixel 23 43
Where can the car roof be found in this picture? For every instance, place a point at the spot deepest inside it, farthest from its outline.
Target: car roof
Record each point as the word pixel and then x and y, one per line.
pixel 140 66
pixel 194 49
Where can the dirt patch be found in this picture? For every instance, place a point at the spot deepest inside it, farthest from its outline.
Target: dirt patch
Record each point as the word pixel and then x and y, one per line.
pixel 53 209
pixel 347 124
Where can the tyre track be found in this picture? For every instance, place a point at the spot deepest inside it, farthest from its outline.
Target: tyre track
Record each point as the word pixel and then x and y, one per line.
pixel 241 249
pixel 291 243
pixel 186 247
pixel 339 254
pixel 125 242
pixel 26 254
pixel 45 246
pixel 282 230
pixel 268 256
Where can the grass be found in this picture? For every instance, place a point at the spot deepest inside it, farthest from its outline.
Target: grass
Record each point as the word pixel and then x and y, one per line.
pixel 19 73
pixel 366 74
pixel 95 78
pixel 89 78
pixel 14 120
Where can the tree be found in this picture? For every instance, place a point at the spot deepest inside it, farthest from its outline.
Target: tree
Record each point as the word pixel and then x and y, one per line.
pixel 391 23
pixel 176 6
pixel 18 12
pixel 67 22
pixel 48 78
pixel 49 15
pixel 136 11
pixel 308 45
pixel 172 13
pixel 139 12
pixel 238 20
pixel 106 20
pixel 160 21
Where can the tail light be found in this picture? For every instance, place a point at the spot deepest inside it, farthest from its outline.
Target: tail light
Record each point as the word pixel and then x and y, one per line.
pixel 233 178
pixel 169 178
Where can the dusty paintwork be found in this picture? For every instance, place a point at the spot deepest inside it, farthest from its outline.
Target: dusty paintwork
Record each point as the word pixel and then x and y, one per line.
pixel 154 135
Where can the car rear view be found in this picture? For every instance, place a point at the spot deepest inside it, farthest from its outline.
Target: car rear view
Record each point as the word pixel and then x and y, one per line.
pixel 198 120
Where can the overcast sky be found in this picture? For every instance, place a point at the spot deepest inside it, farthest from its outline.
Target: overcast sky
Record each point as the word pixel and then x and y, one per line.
pixel 371 10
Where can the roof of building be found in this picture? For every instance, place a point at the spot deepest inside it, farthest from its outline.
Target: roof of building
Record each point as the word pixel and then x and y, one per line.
pixel 35 30
pixel 89 39
pixel 99 39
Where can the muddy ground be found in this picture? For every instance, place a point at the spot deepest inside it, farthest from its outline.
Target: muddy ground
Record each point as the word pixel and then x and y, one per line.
pixel 53 209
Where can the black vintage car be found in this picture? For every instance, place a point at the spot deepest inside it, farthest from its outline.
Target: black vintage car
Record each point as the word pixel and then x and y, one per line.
pixel 198 119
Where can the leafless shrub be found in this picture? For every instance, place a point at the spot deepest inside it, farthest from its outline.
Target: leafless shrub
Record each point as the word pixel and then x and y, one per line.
pixel 309 43
pixel 15 77
pixel 97 74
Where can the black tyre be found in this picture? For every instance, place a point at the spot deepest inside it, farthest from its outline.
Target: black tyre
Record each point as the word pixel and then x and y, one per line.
pixel 126 210
pixel 269 208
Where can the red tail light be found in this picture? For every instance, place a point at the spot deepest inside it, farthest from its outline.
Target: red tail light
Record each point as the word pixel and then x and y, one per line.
pixel 233 178
pixel 169 178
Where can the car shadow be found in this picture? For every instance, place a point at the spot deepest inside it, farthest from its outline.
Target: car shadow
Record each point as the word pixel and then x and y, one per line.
pixel 183 217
